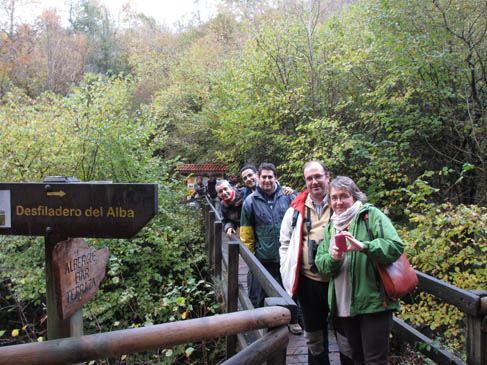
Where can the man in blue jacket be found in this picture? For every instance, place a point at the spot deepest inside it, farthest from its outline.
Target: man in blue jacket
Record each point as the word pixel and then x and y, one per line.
pixel 260 225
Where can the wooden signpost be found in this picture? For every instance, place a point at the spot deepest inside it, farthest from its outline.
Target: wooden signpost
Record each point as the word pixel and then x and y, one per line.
pixel 60 209
pixel 78 271
pixel 76 209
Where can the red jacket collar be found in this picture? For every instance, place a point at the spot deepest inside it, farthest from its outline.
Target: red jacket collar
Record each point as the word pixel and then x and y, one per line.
pixel 298 202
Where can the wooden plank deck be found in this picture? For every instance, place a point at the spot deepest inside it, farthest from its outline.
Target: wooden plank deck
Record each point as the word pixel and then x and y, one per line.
pixel 297 352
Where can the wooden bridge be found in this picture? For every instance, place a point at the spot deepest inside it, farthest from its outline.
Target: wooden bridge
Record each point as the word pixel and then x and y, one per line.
pixel 473 303
pixel 297 351
pixel 253 336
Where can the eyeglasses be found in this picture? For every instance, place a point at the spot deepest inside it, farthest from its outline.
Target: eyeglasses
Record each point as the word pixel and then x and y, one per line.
pixel 342 197
pixel 315 177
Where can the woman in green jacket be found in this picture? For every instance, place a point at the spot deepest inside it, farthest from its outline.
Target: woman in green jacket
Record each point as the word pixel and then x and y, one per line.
pixel 360 309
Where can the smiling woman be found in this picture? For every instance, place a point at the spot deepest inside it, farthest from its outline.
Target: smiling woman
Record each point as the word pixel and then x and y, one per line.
pixel 361 312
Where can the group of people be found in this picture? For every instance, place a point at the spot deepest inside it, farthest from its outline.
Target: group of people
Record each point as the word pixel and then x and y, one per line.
pixel 296 238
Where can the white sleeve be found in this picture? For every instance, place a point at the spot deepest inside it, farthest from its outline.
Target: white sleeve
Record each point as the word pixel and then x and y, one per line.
pixel 286 233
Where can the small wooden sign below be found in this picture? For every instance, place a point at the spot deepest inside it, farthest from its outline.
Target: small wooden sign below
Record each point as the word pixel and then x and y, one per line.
pixel 78 271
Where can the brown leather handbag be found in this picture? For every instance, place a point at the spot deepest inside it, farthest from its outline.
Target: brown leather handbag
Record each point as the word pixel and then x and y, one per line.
pixel 398 278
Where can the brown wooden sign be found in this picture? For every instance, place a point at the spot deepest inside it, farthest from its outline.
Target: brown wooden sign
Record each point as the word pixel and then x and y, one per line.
pixel 78 271
pixel 76 209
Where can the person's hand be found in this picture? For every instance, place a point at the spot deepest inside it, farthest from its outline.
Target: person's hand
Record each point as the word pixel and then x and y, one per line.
pixel 286 190
pixel 229 232
pixel 336 253
pixel 353 243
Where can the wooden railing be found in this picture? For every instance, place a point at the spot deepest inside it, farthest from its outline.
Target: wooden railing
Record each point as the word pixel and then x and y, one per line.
pixel 267 346
pixel 472 303
pixel 72 350
pixel 235 293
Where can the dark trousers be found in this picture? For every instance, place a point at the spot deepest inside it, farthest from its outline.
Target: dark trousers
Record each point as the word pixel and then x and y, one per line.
pixel 368 336
pixel 313 298
pixel 256 293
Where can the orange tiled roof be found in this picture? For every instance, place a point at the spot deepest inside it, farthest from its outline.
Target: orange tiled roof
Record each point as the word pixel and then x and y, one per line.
pixel 201 168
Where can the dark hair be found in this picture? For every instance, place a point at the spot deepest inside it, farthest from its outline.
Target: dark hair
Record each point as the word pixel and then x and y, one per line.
pixel 307 164
pixel 345 183
pixel 248 167
pixel 268 166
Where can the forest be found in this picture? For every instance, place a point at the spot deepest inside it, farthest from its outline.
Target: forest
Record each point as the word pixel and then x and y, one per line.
pixel 392 93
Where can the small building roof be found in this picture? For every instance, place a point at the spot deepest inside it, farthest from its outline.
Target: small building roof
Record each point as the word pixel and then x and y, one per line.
pixel 201 168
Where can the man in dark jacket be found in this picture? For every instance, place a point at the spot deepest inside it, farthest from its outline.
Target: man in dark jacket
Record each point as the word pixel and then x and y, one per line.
pixel 211 189
pixel 211 186
pixel 199 191
pixel 231 206
pixel 260 225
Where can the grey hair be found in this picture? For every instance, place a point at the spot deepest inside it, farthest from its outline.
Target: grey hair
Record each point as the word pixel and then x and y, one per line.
pixel 345 183
pixel 222 182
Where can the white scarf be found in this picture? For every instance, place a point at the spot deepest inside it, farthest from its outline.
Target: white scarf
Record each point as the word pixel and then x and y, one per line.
pixel 340 221
pixel 343 287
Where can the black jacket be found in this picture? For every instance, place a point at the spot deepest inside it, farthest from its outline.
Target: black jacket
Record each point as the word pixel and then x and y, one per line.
pixel 211 186
pixel 231 212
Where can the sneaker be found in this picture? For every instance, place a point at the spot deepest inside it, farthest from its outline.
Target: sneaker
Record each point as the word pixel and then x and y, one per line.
pixel 295 329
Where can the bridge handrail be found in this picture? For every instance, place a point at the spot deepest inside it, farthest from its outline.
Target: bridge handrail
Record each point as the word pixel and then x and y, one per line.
pixel 275 293
pixel 109 344
pixel 274 317
pixel 472 303
pixel 467 301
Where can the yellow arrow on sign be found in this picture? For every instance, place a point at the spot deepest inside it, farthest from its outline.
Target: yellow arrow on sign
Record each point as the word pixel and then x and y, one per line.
pixel 56 193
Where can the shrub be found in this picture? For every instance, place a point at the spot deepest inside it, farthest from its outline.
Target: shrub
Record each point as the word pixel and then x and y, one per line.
pixel 447 242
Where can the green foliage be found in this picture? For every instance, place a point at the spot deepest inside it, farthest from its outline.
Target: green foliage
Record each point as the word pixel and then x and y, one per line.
pixel 95 133
pixel 375 92
pixel 389 92
pixel 92 18
pixel 449 243
pixel 91 134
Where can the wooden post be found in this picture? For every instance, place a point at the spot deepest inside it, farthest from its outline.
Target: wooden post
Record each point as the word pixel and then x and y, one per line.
pixel 279 357
pixel 477 335
pixel 206 217
pixel 203 211
pixel 232 302
pixel 211 241
pixel 57 327
pixel 218 249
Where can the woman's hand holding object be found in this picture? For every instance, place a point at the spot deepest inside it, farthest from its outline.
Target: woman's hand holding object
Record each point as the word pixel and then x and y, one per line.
pixel 339 249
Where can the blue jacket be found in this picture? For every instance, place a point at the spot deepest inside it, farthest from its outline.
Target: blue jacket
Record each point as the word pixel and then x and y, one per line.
pixel 260 222
pixel 245 192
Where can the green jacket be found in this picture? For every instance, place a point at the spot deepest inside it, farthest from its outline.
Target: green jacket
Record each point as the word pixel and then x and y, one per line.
pixel 386 248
